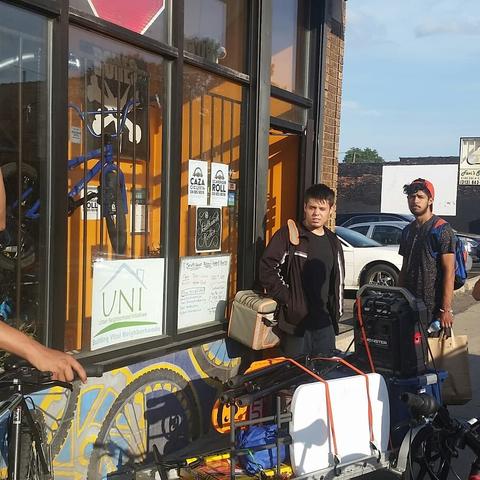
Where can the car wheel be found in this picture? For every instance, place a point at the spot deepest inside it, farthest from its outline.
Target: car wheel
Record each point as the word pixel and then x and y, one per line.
pixel 381 274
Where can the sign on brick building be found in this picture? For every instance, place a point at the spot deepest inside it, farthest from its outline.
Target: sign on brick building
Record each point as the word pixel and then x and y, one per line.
pixel 469 172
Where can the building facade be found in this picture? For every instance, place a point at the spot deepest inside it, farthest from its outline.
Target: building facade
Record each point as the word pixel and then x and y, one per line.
pixel 148 150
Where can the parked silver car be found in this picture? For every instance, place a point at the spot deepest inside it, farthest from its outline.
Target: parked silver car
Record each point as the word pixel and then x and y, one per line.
pixel 390 233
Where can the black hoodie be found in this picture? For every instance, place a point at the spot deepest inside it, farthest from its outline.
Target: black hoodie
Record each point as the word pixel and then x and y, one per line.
pixel 280 256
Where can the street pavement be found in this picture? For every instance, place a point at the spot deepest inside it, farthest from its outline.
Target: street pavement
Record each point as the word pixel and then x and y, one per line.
pixel 467 322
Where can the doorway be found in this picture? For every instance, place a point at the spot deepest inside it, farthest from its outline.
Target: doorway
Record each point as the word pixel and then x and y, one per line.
pixel 283 172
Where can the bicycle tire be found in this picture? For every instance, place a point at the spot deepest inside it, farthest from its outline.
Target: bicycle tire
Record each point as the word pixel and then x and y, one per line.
pixel 114 212
pixel 103 459
pixel 428 458
pixel 64 419
pixel 8 261
pixel 30 468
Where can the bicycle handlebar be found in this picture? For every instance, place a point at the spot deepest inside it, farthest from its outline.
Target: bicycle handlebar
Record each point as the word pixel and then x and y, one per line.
pixel 426 405
pixel 123 112
pixel 19 369
pixel 421 405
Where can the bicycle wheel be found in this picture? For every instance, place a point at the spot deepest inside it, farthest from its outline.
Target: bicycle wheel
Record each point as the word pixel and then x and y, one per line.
pixel 24 246
pixel 58 414
pixel 30 465
pixel 158 407
pixel 429 456
pixel 114 212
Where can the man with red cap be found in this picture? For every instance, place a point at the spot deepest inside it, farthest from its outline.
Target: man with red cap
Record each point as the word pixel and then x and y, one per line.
pixel 428 249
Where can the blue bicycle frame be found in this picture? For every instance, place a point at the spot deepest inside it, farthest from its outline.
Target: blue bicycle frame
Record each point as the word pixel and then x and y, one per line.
pixel 105 163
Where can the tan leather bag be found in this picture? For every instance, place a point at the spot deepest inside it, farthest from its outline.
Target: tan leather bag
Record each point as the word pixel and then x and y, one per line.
pixel 252 320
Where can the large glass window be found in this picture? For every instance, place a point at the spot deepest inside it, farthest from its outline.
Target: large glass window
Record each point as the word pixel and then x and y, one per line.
pixel 149 18
pixel 216 30
pixel 290 45
pixel 211 150
pixel 24 161
pixel 117 119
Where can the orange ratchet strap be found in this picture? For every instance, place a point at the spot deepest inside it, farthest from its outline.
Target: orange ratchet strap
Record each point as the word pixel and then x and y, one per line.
pixel 364 335
pixel 327 397
pixel 364 375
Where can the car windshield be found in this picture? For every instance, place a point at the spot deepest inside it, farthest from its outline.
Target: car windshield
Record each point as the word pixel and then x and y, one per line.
pixel 355 239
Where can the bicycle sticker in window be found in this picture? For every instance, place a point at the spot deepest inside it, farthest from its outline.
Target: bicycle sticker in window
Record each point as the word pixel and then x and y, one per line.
pixel 208 232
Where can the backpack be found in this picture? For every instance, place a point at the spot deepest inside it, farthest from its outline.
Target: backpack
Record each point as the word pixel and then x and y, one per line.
pixel 461 254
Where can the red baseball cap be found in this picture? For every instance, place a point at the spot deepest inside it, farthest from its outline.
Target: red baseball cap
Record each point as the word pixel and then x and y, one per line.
pixel 421 182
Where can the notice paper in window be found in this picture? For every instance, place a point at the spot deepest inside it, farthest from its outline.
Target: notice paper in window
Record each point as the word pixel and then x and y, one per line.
pixel 202 289
pixel 197 182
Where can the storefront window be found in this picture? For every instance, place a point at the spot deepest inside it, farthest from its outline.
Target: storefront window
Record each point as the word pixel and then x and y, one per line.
pixel 216 30
pixel 211 150
pixel 290 45
pixel 117 119
pixel 149 18
pixel 24 161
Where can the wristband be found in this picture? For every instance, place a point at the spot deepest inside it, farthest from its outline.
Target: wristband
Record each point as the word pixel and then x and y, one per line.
pixel 446 310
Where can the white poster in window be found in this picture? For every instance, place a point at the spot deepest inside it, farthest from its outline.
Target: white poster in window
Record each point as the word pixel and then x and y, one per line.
pixel 92 205
pixel 127 301
pixel 197 182
pixel 219 185
pixel 202 289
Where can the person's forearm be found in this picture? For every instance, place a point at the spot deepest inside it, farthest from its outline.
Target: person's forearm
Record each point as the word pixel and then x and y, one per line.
pixel 447 293
pixel 16 342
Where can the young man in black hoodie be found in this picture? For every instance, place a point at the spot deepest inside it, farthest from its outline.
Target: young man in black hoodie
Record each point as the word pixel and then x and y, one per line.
pixel 307 279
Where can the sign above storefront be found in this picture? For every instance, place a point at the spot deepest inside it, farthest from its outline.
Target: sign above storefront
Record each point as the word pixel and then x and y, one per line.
pixel 469 161
pixel 136 16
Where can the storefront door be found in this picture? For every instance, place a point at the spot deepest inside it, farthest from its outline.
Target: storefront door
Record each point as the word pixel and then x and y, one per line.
pixel 283 171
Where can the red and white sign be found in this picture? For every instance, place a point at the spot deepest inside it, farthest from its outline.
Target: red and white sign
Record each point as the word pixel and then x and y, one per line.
pixel 136 15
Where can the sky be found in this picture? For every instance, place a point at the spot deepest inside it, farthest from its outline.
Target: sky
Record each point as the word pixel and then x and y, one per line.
pixel 411 81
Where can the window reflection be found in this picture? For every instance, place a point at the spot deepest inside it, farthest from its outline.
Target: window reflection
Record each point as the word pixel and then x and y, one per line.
pixel 149 18
pixel 290 45
pixel 212 129
pixel 216 30
pixel 24 103
pixel 117 115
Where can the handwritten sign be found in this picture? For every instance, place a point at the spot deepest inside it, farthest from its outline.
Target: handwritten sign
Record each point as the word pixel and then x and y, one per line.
pixel 202 289
pixel 208 233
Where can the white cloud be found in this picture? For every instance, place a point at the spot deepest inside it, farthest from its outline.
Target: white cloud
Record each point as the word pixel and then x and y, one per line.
pixel 356 107
pixel 452 27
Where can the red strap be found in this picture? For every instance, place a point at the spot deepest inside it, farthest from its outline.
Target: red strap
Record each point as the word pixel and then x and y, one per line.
pixel 364 375
pixel 327 397
pixel 364 335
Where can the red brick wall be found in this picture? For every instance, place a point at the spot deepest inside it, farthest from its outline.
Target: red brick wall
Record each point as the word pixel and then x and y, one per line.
pixel 332 103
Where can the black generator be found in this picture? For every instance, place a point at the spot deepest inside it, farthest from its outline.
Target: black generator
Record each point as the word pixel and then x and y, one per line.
pixel 395 325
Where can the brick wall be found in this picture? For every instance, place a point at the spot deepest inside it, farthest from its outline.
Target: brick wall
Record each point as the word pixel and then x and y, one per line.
pixel 332 101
